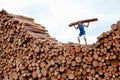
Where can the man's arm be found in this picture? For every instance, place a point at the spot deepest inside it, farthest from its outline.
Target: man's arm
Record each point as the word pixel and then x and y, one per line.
pixel 75 27
pixel 87 25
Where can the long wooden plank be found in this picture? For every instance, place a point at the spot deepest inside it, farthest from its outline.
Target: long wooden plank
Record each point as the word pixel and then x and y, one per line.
pixel 83 21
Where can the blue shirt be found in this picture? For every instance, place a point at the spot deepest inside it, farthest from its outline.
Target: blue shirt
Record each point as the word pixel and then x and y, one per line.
pixel 81 28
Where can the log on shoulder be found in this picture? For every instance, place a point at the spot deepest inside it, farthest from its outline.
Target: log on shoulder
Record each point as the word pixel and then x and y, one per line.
pixel 83 21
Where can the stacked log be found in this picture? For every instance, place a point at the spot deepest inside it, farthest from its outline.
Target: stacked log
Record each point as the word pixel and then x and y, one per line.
pixel 36 30
pixel 27 57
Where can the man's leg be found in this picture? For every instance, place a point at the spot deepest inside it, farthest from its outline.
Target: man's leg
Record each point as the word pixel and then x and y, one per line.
pixel 79 39
pixel 85 40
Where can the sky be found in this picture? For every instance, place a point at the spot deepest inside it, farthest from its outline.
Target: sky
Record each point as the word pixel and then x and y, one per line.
pixel 56 15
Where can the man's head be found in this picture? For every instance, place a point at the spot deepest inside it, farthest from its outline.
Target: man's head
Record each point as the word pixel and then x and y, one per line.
pixel 79 22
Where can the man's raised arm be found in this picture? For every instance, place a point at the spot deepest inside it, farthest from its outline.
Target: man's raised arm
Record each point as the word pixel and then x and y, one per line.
pixel 87 25
pixel 75 27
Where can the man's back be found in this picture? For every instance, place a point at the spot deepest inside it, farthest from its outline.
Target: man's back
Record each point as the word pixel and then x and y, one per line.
pixel 81 28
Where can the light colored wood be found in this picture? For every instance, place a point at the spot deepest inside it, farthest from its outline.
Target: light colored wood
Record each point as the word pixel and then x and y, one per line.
pixel 110 68
pixel 71 76
pixel 62 69
pixel 78 59
pixel 44 71
pixel 95 63
pixel 52 62
pixel 34 74
pixel 77 49
pixel 72 51
pixel 95 56
pixel 37 49
pixel 43 78
pixel 28 52
pixel 73 63
pixel 53 78
pixel 42 64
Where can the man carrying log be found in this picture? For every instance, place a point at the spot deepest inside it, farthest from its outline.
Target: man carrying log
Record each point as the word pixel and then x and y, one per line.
pixel 81 27
pixel 82 31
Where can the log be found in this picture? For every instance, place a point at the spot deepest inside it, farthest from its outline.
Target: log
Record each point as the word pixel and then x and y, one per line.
pixel 63 76
pixel 73 63
pixel 53 78
pixel 114 27
pixel 42 64
pixel 110 68
pixel 34 74
pixel 44 71
pixel 52 62
pixel 37 49
pixel 71 76
pixel 115 62
pixel 83 21
pixel 95 63
pixel 95 56
pixel 36 30
pixel 22 17
pixel 43 78
pixel 77 49
pixel 62 69
pixel 78 59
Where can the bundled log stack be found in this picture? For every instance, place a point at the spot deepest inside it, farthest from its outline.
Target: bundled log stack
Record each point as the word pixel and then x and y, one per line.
pixel 25 56
pixel 36 30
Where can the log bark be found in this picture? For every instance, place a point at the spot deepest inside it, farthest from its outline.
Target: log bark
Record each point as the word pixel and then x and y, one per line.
pixel 83 21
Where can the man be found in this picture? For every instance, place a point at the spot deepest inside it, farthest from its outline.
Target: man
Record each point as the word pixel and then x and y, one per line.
pixel 82 31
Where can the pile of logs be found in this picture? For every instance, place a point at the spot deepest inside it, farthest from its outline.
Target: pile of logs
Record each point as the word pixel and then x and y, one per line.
pixel 36 30
pixel 24 55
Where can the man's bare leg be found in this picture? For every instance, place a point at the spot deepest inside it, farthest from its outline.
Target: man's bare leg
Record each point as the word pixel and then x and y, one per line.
pixel 85 40
pixel 79 40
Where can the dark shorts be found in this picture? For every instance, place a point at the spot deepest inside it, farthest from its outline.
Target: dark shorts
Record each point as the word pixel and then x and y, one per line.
pixel 81 33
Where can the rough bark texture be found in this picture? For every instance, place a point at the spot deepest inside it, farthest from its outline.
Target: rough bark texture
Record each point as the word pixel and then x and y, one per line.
pixel 83 21
pixel 27 52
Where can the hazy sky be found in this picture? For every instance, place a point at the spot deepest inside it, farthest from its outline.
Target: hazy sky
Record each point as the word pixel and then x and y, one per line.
pixel 56 15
